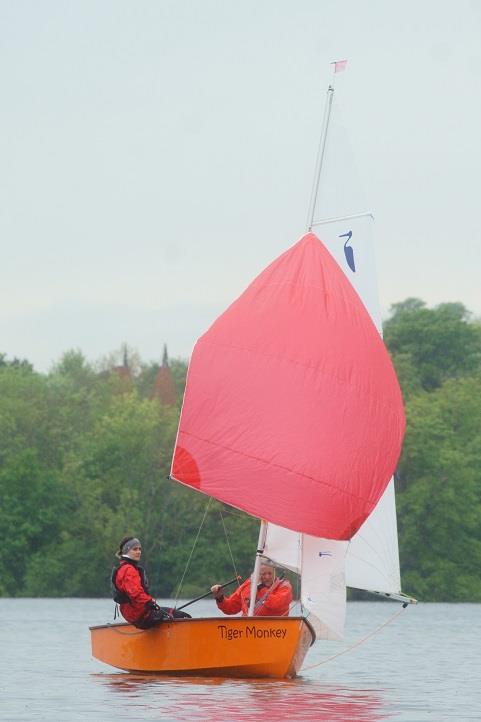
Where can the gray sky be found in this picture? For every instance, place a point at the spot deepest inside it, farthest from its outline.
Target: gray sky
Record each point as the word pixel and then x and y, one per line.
pixel 157 154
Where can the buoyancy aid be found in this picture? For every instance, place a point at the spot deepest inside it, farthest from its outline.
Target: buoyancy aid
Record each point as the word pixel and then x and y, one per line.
pixel 120 597
pixel 263 593
pixel 270 601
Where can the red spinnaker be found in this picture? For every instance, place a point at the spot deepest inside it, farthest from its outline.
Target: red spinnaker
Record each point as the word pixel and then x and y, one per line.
pixel 292 410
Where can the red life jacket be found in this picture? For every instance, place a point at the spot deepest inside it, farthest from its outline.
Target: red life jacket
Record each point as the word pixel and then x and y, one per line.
pixel 271 601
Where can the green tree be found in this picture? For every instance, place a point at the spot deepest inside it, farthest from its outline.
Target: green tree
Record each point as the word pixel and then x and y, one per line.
pixel 32 498
pixel 84 460
pixel 439 504
pixel 85 457
pixel 115 473
pixel 15 363
pixel 430 346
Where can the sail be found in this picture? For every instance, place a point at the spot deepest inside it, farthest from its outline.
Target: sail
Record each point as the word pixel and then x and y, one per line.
pixel 351 243
pixel 292 411
pixel 323 583
pixel 323 588
pixel 372 559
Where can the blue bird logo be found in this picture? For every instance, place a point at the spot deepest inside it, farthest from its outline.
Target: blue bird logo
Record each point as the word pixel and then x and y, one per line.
pixel 348 251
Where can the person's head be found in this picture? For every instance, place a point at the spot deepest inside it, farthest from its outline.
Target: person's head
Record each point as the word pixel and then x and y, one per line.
pixel 130 547
pixel 267 573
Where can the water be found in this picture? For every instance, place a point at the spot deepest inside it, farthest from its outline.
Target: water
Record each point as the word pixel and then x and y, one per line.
pixel 425 665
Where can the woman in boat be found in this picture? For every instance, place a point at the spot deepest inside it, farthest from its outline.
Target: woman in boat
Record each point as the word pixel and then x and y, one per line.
pixel 273 595
pixel 130 589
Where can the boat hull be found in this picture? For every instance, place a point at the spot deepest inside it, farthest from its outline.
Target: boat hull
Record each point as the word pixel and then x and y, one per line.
pixel 214 647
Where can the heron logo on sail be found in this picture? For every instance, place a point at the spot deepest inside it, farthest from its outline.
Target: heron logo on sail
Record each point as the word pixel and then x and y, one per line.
pixel 348 251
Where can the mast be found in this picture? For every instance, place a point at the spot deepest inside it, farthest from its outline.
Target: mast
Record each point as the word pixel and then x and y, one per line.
pixel 338 66
pixel 255 574
pixel 320 157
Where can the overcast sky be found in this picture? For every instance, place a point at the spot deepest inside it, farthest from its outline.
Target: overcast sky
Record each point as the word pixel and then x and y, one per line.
pixel 155 155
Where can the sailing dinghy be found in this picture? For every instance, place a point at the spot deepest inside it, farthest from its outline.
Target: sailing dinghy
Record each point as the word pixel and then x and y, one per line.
pixel 292 413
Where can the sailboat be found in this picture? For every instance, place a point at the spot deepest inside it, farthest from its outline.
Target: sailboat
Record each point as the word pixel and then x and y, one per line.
pixel 292 413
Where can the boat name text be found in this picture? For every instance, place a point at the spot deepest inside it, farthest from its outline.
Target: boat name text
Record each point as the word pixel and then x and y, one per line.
pixel 251 632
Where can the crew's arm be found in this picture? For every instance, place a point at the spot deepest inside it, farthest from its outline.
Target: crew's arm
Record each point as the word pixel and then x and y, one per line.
pixel 228 605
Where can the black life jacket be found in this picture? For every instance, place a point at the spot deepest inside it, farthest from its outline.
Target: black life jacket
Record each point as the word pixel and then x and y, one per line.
pixel 119 596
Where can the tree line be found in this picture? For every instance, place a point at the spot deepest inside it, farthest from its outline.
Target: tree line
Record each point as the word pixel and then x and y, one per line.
pixel 85 455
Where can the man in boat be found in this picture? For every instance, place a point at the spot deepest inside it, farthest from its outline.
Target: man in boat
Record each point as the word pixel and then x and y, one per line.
pixel 273 596
pixel 130 589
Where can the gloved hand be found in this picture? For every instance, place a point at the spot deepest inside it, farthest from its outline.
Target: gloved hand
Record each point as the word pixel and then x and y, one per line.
pixel 152 604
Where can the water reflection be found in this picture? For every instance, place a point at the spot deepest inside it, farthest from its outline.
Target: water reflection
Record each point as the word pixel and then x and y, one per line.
pixel 229 700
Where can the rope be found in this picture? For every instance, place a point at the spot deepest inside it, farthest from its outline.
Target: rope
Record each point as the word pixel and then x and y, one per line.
pixel 191 553
pixel 356 644
pixel 228 543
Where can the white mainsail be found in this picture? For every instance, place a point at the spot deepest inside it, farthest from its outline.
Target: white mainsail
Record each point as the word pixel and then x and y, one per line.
pixel 370 561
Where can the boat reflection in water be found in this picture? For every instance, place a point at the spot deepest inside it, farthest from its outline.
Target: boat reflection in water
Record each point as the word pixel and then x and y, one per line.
pixel 221 700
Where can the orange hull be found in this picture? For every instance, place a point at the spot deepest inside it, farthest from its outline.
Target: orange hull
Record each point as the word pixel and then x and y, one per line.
pixel 215 646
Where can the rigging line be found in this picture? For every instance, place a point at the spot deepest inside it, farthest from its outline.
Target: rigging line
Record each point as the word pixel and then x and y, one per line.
pixel 191 553
pixel 233 512
pixel 228 543
pixel 358 643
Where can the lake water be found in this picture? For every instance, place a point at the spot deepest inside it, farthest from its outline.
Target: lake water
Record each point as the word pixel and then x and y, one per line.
pixel 425 665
